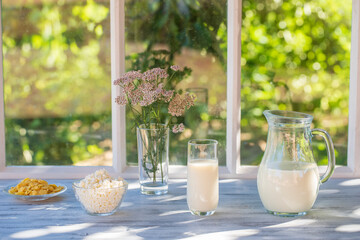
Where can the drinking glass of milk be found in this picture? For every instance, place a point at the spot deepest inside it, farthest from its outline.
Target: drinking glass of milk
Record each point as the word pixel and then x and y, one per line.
pixel 288 179
pixel 202 177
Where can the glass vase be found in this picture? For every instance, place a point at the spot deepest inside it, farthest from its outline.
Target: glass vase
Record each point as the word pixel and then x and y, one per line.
pixel 153 157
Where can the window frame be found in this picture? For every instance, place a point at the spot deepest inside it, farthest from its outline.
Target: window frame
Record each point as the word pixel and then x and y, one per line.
pixel 233 168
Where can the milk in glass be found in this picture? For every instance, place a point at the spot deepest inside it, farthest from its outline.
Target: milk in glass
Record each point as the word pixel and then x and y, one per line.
pixel 202 185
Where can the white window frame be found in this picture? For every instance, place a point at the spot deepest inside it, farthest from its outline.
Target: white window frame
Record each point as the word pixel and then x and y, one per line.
pixel 233 168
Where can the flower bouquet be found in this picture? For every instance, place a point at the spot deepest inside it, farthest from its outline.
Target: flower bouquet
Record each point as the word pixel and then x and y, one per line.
pixel 147 96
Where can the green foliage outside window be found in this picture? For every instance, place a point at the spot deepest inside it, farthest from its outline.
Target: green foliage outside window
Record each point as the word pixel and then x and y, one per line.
pixel 295 56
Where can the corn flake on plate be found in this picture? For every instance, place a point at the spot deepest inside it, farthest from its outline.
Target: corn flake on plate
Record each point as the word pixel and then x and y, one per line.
pixel 34 190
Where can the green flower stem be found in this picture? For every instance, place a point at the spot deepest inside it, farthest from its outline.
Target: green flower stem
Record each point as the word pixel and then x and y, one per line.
pixel 154 155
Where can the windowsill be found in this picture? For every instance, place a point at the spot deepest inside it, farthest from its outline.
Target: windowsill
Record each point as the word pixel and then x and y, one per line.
pixel 335 215
pixel 132 172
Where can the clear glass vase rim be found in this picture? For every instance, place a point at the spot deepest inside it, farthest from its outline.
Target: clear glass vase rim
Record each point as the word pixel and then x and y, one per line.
pixel 288 116
pixel 143 127
pixel 204 142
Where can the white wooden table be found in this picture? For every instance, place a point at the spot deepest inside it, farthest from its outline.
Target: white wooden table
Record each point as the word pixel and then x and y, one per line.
pixel 335 215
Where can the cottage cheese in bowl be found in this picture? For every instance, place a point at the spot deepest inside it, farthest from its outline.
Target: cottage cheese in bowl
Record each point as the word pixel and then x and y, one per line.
pixel 99 193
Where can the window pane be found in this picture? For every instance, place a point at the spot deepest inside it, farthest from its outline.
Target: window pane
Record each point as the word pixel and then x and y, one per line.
pixel 193 33
pixel 57 82
pixel 295 56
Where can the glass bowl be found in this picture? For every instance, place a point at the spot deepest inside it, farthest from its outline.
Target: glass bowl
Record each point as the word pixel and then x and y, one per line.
pixel 34 197
pixel 100 201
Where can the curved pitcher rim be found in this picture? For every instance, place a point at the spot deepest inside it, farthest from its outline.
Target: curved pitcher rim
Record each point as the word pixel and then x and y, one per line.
pixel 289 116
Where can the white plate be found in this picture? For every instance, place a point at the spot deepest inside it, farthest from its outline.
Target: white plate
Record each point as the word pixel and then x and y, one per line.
pixel 34 197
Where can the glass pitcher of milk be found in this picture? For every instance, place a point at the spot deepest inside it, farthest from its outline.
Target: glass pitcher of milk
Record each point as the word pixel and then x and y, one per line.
pixel 288 179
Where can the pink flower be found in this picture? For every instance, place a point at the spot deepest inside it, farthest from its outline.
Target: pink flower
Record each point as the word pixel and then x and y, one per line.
pixel 175 68
pixel 167 95
pixel 163 74
pixel 181 127
pixel 159 89
pixel 149 76
pixel 135 96
pixel 179 104
pixel 178 128
pixel 146 87
pixel 128 88
pixel 128 77
pixel 148 98
pixel 154 74
pixel 121 100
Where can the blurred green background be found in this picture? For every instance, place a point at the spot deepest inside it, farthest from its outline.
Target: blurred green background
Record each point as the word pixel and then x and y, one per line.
pixel 295 56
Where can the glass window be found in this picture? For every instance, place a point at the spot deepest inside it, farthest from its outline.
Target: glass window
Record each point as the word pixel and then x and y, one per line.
pixel 295 56
pixel 57 82
pixel 190 34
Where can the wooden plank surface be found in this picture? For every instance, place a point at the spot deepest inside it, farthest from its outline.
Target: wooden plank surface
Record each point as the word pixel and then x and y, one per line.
pixel 240 214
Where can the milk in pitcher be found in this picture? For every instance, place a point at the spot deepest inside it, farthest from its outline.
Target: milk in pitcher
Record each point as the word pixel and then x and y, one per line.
pixel 291 187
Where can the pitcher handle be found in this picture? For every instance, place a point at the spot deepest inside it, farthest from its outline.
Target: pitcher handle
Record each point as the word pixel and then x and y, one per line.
pixel 330 153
